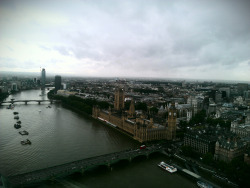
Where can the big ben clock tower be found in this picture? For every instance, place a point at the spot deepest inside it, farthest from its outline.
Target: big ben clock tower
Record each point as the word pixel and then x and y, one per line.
pixel 172 115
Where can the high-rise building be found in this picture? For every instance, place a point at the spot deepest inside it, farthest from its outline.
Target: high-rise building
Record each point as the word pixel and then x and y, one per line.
pixel 43 79
pixel 14 86
pixel 227 90
pixel 218 96
pixel 58 83
pixel 64 86
pixel 247 94
pixel 241 88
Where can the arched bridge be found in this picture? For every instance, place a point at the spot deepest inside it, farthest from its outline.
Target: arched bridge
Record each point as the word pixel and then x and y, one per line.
pixel 63 170
pixel 26 101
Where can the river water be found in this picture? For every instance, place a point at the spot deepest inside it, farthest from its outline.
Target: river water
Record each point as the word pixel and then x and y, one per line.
pixel 59 135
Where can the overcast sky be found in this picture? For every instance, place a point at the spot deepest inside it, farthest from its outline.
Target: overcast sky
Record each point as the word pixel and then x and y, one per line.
pixel 197 39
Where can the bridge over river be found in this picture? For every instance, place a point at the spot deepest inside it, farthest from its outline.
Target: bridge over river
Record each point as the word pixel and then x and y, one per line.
pixel 26 101
pixel 52 173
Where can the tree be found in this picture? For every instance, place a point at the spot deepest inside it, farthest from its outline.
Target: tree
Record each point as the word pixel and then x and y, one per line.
pixel 187 151
pixel 127 105
pixel 84 105
pixel 3 96
pixel 141 106
pixel 207 158
pixel 153 110
pixel 183 124
pixel 198 118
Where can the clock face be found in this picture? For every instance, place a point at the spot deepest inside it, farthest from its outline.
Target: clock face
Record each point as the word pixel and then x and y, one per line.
pixel 170 113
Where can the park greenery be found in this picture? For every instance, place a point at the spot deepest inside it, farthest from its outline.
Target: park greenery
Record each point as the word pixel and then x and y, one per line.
pixel 141 106
pixel 236 170
pixel 188 151
pixel 201 119
pixel 145 91
pixel 3 96
pixel 84 105
pixel 153 110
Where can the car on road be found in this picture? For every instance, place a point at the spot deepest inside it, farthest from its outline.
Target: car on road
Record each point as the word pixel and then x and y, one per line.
pixel 143 147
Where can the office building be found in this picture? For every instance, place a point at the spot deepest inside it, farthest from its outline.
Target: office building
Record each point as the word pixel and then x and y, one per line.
pixel 200 142
pixel 43 79
pixel 14 87
pixel 58 83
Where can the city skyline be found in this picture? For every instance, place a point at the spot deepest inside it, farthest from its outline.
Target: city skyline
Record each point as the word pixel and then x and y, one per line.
pixel 157 39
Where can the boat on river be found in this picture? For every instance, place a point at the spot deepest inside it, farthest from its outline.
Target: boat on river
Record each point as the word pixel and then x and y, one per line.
pixel 15 113
pixel 25 142
pixel 203 184
pixel 11 106
pixel 167 167
pixel 16 117
pixel 23 132
pixel 17 126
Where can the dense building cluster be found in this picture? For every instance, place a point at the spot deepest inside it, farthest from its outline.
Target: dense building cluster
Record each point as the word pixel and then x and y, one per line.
pixel 14 84
pixel 11 84
pixel 144 109
pixel 222 102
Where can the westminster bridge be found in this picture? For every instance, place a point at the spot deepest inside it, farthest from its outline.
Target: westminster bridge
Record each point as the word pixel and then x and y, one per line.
pixel 12 101
pixel 55 172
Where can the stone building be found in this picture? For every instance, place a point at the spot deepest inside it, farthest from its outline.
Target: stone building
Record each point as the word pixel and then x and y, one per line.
pixel 137 126
pixel 119 99
pixel 241 129
pixel 229 148
pixel 247 156
pixel 131 112
pixel 194 103
pixel 185 112
pixel 172 115
pixel 241 87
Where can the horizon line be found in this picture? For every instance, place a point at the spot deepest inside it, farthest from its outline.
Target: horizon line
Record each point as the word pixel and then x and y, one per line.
pixel 122 77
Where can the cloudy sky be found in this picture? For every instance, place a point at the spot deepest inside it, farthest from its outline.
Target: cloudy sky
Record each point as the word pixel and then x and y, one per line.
pixel 122 38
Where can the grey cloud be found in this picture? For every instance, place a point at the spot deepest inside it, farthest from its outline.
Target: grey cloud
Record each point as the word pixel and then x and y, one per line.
pixel 63 50
pixel 8 62
pixel 13 63
pixel 152 36
pixel 44 47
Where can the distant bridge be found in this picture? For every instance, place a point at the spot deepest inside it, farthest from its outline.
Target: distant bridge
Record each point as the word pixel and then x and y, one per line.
pixel 26 101
pixel 52 173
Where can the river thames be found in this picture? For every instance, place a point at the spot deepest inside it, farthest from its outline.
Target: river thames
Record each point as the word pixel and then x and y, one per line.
pixel 59 135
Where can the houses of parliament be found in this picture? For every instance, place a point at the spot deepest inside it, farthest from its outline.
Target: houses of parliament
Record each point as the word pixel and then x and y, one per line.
pixel 141 127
